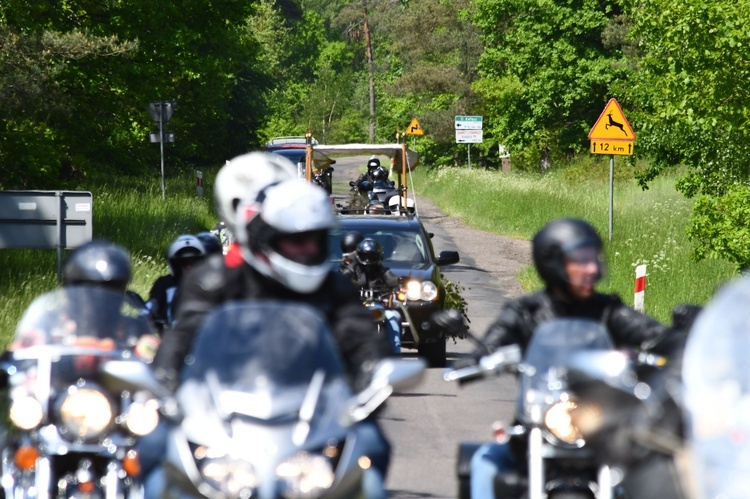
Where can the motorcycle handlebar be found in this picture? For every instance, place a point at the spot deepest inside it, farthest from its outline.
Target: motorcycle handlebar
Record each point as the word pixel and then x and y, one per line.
pixel 502 358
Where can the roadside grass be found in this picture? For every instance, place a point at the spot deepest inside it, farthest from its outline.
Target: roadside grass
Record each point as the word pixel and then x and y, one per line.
pixel 648 226
pixel 127 211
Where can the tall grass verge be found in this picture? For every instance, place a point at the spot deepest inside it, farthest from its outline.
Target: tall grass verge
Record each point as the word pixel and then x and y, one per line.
pixel 126 211
pixel 648 226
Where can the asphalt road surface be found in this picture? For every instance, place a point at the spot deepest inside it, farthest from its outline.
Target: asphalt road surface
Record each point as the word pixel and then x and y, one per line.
pixel 426 423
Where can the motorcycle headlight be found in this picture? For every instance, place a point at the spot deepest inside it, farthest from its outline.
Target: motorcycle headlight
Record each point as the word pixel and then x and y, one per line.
pixel 86 413
pixel 305 475
pixel 559 422
pixel 26 413
pixel 235 478
pixel 142 417
pixel 424 290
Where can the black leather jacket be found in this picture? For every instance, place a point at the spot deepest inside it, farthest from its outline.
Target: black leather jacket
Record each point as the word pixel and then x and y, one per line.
pixel 376 278
pixel 212 283
pixel 628 327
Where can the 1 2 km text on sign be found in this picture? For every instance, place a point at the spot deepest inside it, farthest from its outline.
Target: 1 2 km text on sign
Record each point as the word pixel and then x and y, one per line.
pixel 618 147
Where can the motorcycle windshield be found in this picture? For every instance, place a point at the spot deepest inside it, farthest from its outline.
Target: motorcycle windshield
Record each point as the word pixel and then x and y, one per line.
pixel 716 374
pixel 76 318
pixel 544 367
pixel 260 359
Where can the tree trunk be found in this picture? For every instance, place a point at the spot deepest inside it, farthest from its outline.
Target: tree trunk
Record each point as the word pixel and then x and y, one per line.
pixel 371 71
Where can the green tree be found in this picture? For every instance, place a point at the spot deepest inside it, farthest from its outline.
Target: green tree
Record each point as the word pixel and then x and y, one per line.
pixel 432 53
pixel 545 72
pixel 192 53
pixel 693 106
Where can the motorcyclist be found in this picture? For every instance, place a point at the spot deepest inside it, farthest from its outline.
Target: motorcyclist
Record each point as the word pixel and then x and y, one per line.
pixel 239 178
pixel 372 164
pixel 102 264
pixel 183 253
pixel 349 243
pixel 567 254
pixel 369 273
pixel 282 234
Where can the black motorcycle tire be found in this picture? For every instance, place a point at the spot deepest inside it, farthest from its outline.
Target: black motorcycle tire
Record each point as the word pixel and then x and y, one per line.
pixel 434 353
pixel 463 468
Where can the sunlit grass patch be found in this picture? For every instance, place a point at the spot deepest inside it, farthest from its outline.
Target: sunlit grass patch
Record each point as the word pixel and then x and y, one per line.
pixel 648 226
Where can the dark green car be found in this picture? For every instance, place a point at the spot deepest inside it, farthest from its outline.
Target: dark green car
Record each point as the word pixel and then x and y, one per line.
pixel 407 252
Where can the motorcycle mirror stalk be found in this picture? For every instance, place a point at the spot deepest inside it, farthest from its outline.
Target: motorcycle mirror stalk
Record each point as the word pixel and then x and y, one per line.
pixel 389 375
pixel 503 358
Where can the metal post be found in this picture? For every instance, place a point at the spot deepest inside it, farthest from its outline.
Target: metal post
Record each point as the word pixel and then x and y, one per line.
pixel 60 215
pixel 161 147
pixel 469 148
pixel 611 192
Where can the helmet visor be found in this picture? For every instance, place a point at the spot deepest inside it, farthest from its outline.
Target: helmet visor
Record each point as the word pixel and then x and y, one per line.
pixel 584 265
pixel 306 248
pixel 368 257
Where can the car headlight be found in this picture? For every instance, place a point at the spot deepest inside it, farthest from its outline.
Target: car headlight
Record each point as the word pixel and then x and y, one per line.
pixel 85 412
pixel 304 475
pixel 233 477
pixel 26 412
pixel 142 417
pixel 424 290
pixel 559 422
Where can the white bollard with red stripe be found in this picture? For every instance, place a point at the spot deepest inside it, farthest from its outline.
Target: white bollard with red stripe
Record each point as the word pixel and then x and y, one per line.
pixel 199 181
pixel 640 287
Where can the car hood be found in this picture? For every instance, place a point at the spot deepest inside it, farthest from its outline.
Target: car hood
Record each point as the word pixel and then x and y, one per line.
pixel 421 273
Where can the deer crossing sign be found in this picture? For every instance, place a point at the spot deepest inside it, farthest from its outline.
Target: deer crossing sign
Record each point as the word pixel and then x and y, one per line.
pixel 612 134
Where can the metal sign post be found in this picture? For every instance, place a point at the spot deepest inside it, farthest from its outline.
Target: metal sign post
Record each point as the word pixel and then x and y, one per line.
pixel 612 135
pixel 468 131
pixel 161 111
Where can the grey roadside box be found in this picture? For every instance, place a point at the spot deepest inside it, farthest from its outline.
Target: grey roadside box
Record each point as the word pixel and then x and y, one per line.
pixel 45 220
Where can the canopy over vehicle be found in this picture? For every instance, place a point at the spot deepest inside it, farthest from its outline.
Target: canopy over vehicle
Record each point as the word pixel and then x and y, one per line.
pixel 404 159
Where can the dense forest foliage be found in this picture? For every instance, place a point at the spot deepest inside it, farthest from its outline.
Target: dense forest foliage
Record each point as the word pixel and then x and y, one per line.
pixel 77 77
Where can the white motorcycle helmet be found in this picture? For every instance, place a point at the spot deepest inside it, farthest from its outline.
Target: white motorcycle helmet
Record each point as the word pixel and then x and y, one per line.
pixel 186 249
pixel 243 177
pixel 290 209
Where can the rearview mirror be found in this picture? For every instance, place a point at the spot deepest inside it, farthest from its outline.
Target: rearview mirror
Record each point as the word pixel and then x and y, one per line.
pixel 447 258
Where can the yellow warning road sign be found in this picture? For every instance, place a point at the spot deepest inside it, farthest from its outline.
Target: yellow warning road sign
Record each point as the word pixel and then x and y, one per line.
pixel 414 128
pixel 612 125
pixel 618 147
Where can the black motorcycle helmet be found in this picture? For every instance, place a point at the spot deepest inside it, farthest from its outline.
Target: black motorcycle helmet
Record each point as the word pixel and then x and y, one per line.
pixel 98 263
pixel 210 242
pixel 556 240
pixel 369 253
pixel 379 174
pixel 349 242
pixel 372 164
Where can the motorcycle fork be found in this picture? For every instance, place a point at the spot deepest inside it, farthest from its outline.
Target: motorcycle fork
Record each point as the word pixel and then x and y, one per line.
pixel 536 465
pixel 537 483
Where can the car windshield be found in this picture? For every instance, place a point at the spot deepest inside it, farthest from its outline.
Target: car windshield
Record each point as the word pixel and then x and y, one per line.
pixel 402 245
pixel 293 155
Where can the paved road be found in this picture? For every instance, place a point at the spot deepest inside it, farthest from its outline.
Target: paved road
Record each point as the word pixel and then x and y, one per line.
pixel 426 423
